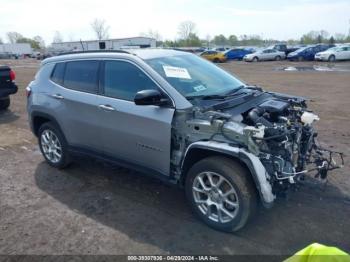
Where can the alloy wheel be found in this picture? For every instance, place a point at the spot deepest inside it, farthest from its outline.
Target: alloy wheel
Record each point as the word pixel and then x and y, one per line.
pixel 51 146
pixel 215 197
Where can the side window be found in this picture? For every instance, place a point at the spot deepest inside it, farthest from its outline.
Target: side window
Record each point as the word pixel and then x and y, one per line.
pixel 123 80
pixel 58 73
pixel 82 76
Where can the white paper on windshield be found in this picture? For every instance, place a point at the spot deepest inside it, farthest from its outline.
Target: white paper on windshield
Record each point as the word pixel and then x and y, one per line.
pixel 199 88
pixel 177 72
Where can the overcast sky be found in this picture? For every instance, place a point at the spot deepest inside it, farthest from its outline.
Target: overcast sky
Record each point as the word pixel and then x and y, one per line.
pixel 279 19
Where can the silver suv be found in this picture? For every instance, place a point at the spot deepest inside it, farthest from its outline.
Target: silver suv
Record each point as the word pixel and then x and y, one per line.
pixel 178 117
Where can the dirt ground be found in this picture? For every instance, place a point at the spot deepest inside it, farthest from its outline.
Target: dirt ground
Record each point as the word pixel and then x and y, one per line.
pixel 97 208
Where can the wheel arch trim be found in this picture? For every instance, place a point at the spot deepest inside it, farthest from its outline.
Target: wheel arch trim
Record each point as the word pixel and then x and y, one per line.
pixel 35 114
pixel 251 161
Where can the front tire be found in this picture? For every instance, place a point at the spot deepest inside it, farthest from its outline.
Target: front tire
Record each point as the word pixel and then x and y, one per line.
pixel 216 60
pixel 278 58
pixel 221 193
pixel 53 145
pixel 255 59
pixel 4 103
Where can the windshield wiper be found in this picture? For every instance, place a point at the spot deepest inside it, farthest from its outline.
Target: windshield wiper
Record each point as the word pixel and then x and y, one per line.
pixel 231 93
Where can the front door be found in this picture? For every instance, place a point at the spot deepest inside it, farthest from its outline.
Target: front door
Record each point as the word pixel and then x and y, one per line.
pixel 136 134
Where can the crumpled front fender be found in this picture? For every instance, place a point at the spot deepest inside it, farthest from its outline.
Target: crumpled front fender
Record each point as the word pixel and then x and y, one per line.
pixel 253 163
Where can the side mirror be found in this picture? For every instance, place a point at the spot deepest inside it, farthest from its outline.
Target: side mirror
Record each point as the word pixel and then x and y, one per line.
pixel 150 97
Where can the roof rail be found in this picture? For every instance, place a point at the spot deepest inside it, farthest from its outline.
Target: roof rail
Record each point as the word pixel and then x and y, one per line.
pixel 94 51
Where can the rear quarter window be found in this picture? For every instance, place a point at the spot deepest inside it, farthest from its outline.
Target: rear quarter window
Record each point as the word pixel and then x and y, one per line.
pixel 58 73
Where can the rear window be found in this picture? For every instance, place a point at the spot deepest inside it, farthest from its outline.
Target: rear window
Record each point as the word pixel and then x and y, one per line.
pixel 82 76
pixel 58 73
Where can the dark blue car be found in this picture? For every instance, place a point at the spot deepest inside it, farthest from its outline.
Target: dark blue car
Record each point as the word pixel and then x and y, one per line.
pixel 237 53
pixel 307 53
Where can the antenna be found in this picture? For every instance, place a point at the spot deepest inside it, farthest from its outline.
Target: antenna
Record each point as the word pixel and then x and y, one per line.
pixel 82 46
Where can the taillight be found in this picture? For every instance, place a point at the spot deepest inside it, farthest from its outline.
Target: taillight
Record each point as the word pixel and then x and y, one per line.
pixel 28 91
pixel 12 75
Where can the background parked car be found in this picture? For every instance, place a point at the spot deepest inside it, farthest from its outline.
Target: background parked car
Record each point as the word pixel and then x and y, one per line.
pixel 237 53
pixel 7 86
pixel 221 49
pixel 214 56
pixel 307 53
pixel 265 55
pixel 333 54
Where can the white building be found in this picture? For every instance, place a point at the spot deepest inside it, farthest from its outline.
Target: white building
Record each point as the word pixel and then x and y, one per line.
pixel 110 44
pixel 16 49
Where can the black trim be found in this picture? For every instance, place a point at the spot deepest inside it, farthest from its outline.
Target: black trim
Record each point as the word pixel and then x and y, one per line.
pixel 76 150
pixel 35 114
pixel 94 51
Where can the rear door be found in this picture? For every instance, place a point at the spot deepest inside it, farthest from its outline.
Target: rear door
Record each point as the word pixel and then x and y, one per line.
pixel 74 100
pixel 265 55
pixel 136 134
pixel 342 53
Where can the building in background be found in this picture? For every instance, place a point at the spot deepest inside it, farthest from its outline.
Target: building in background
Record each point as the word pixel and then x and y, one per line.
pixel 109 44
pixel 18 49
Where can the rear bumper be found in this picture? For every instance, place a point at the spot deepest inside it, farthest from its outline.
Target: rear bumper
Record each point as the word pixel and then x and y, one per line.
pixel 7 90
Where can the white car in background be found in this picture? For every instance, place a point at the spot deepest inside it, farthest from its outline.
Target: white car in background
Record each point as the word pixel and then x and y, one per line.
pixel 333 54
pixel 265 55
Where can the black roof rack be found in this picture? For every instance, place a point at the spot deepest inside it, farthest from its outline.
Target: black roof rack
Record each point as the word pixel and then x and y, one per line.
pixel 94 51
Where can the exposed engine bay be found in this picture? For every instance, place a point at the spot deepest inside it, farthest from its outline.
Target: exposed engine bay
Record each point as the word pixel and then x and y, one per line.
pixel 276 128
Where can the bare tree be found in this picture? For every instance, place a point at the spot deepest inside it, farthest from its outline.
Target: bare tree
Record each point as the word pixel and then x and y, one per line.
pixel 186 28
pixel 1 42
pixel 100 28
pixel 153 34
pixel 40 41
pixel 57 38
pixel 13 37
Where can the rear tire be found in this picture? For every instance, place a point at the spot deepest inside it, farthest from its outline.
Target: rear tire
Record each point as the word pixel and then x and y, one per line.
pixel 331 58
pixel 53 145
pixel 4 103
pixel 300 58
pixel 210 199
pixel 278 58
pixel 216 60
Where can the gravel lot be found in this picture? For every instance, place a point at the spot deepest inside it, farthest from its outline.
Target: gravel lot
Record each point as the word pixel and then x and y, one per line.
pixel 96 208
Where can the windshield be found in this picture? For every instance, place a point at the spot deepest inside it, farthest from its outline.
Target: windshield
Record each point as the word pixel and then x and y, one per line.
pixel 303 49
pixel 193 76
pixel 337 48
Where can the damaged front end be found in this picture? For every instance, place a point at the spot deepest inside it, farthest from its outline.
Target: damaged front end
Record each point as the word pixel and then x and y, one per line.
pixel 272 133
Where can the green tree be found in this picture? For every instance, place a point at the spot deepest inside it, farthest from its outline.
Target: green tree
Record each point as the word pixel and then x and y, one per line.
pixel 220 40
pixel 34 44
pixel 331 40
pixel 233 40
